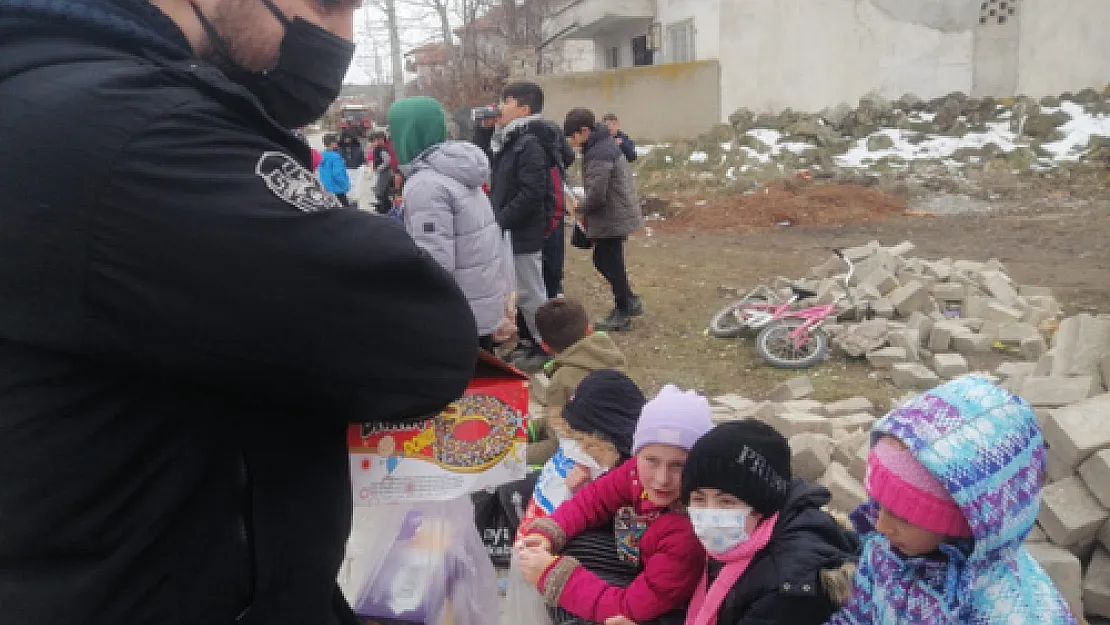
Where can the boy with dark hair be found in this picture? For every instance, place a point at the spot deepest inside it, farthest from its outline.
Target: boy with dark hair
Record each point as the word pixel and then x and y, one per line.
pixel 626 144
pixel 610 211
pixel 333 170
pixel 524 202
pixel 565 326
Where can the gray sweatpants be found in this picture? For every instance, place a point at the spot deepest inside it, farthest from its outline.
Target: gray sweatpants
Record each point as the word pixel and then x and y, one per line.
pixel 530 290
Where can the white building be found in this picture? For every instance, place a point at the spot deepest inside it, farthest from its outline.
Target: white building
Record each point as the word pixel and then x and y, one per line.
pixel 811 54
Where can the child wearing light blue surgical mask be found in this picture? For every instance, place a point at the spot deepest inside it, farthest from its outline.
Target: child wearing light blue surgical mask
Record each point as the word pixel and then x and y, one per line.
pixel 774 555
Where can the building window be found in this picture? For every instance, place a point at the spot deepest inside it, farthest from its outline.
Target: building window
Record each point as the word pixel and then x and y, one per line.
pixel 612 57
pixel 680 42
pixel 997 11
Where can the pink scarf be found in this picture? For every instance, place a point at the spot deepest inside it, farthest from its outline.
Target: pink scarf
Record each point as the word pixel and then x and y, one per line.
pixel 703 605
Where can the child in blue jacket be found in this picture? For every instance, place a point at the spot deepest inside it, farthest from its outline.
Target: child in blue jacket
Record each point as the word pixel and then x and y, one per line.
pixel 333 170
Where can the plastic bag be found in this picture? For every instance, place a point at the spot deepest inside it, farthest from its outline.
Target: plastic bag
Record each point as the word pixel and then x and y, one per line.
pixel 419 563
pixel 523 603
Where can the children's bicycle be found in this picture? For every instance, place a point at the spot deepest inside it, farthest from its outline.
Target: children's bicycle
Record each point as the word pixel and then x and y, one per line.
pixel 754 311
pixel 795 339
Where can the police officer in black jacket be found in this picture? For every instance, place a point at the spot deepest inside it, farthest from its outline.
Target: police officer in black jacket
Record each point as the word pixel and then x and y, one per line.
pixel 188 321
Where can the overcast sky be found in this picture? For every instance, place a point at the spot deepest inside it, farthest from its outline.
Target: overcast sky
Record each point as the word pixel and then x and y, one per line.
pixel 417 28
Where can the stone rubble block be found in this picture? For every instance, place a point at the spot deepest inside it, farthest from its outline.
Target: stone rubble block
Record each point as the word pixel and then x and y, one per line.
pixel 1095 472
pixel 1047 303
pixel 881 280
pixel 1104 536
pixel 1096 585
pixel 849 406
pixel 1051 392
pixel 887 357
pixel 975 306
pixel 796 388
pixel 996 311
pixel 810 455
pixel 1070 514
pixel 846 448
pixel 853 422
pixel 909 340
pixel 1079 344
pixel 971 343
pixel 847 492
pixel 722 414
pixel 940 338
pixel 1065 570
pixel 808 406
pixel 741 406
pixel 856 254
pixel 1033 348
pixel 1057 468
pixel 833 266
pixel 1044 364
pixel 923 324
pixel 903 248
pixel 883 308
pixel 910 297
pixel 914 375
pixel 1035 315
pixel 950 292
pixel 858 465
pixel 1036 535
pixel 1015 333
pixel 1028 290
pixel 949 366
pixel 1012 369
pixel 998 285
pixel 1104 368
pixel 1078 431
pixel 791 424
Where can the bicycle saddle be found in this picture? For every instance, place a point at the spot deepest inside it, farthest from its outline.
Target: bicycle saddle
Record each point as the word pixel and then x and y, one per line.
pixel 802 293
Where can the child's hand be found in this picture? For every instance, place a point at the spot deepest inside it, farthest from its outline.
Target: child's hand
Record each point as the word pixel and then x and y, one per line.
pixel 577 477
pixel 534 541
pixel 533 562
pixel 619 620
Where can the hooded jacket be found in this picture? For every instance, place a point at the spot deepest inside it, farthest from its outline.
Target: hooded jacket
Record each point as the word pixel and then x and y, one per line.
pixel 567 370
pixel 611 206
pixel 354 155
pixel 187 326
pixel 671 556
pixel 983 444
pixel 333 172
pixel 804 573
pixel 449 215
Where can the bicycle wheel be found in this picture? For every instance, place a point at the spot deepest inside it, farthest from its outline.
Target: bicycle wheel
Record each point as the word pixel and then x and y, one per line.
pixel 777 347
pixel 726 324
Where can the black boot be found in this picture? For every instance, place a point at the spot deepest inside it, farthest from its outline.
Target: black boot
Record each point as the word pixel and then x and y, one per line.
pixel 635 306
pixel 617 321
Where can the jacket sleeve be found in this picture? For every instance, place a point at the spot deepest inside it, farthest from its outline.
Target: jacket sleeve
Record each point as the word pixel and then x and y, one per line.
pixel 591 507
pixel 568 154
pixel 596 176
pixel 666 583
pixel 430 219
pixel 628 146
pixel 532 181
pixel 216 257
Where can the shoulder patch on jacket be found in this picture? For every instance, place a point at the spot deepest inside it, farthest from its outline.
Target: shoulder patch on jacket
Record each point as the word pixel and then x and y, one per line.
pixel 294 184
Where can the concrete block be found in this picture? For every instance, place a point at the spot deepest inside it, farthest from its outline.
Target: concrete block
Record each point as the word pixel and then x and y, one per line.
pixel 950 292
pixel 1051 392
pixel 940 338
pixel 882 308
pixel 1078 431
pixel 791 424
pixel 1104 536
pixel 831 267
pixel 845 450
pixel 1065 570
pixel 742 407
pixel 910 297
pixel 996 311
pixel 974 305
pixel 721 414
pixel 810 455
pixel 1096 585
pixel 909 340
pixel 949 366
pixel 923 324
pixel 1033 348
pixel 1011 369
pixel 903 248
pixel 766 411
pixel 1015 333
pixel 971 343
pixel 881 280
pixel 1036 535
pixel 847 492
pixel 855 254
pixel 998 285
pixel 1044 364
pixel 1095 472
pixel 853 422
pixel 887 357
pixel 795 388
pixel 1027 290
pixel 858 465
pixel 990 329
pixel 1048 303
pixel 1057 468
pixel 1035 315
pixel 849 406
pixel 1104 368
pixel 1070 514
pixel 808 406
pixel 914 375
pixel 1080 343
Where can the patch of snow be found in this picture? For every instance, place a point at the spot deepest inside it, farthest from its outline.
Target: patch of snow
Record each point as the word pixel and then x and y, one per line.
pixel 932 148
pixel 699 157
pixel 765 135
pixel 758 156
pixel 1078 133
pixel 792 147
pixel 727 146
pixel 731 173
pixel 644 150
pixel 668 158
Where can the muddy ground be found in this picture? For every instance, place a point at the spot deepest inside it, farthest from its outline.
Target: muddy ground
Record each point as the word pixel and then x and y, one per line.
pixel 688 267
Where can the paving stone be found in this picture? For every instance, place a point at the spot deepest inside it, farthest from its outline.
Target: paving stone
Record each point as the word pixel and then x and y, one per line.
pixel 1095 472
pixel 1033 348
pixel 796 388
pixel 887 357
pixel 766 410
pixel 849 406
pixel 1070 514
pixel 847 492
pixel 914 375
pixel 1078 431
pixel 1079 344
pixel 949 366
pixel 810 455
pixel 1065 570
pixel 910 297
pixel 971 343
pixel 1052 391
pixel 1096 584
pixel 996 311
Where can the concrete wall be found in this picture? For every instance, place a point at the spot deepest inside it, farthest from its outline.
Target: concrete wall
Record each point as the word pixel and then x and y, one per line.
pixel 810 54
pixel 1063 45
pixel 657 101
pixel 617 37
pixel 706 15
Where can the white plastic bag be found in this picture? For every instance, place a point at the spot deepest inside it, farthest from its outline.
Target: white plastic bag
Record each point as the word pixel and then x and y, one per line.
pixel 523 603
pixel 419 563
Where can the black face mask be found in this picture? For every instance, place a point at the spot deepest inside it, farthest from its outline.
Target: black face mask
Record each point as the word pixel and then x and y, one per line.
pixel 308 76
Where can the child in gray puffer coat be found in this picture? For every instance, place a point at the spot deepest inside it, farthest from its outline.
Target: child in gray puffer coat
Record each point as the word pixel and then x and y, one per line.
pixel 449 215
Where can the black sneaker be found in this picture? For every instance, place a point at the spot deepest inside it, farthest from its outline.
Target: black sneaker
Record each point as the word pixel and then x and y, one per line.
pixel 617 321
pixel 635 306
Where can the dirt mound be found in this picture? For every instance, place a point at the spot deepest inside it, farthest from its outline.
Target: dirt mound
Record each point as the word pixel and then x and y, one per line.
pixel 790 203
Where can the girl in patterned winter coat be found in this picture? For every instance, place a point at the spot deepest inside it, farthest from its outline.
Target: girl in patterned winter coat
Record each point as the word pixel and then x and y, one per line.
pixel 955 479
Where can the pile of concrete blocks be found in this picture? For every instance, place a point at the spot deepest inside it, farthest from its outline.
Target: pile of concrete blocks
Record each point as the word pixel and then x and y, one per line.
pixel 927 318
pixel 1071 539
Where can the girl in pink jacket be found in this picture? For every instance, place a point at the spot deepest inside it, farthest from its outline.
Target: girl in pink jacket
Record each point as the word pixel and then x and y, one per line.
pixel 640 500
